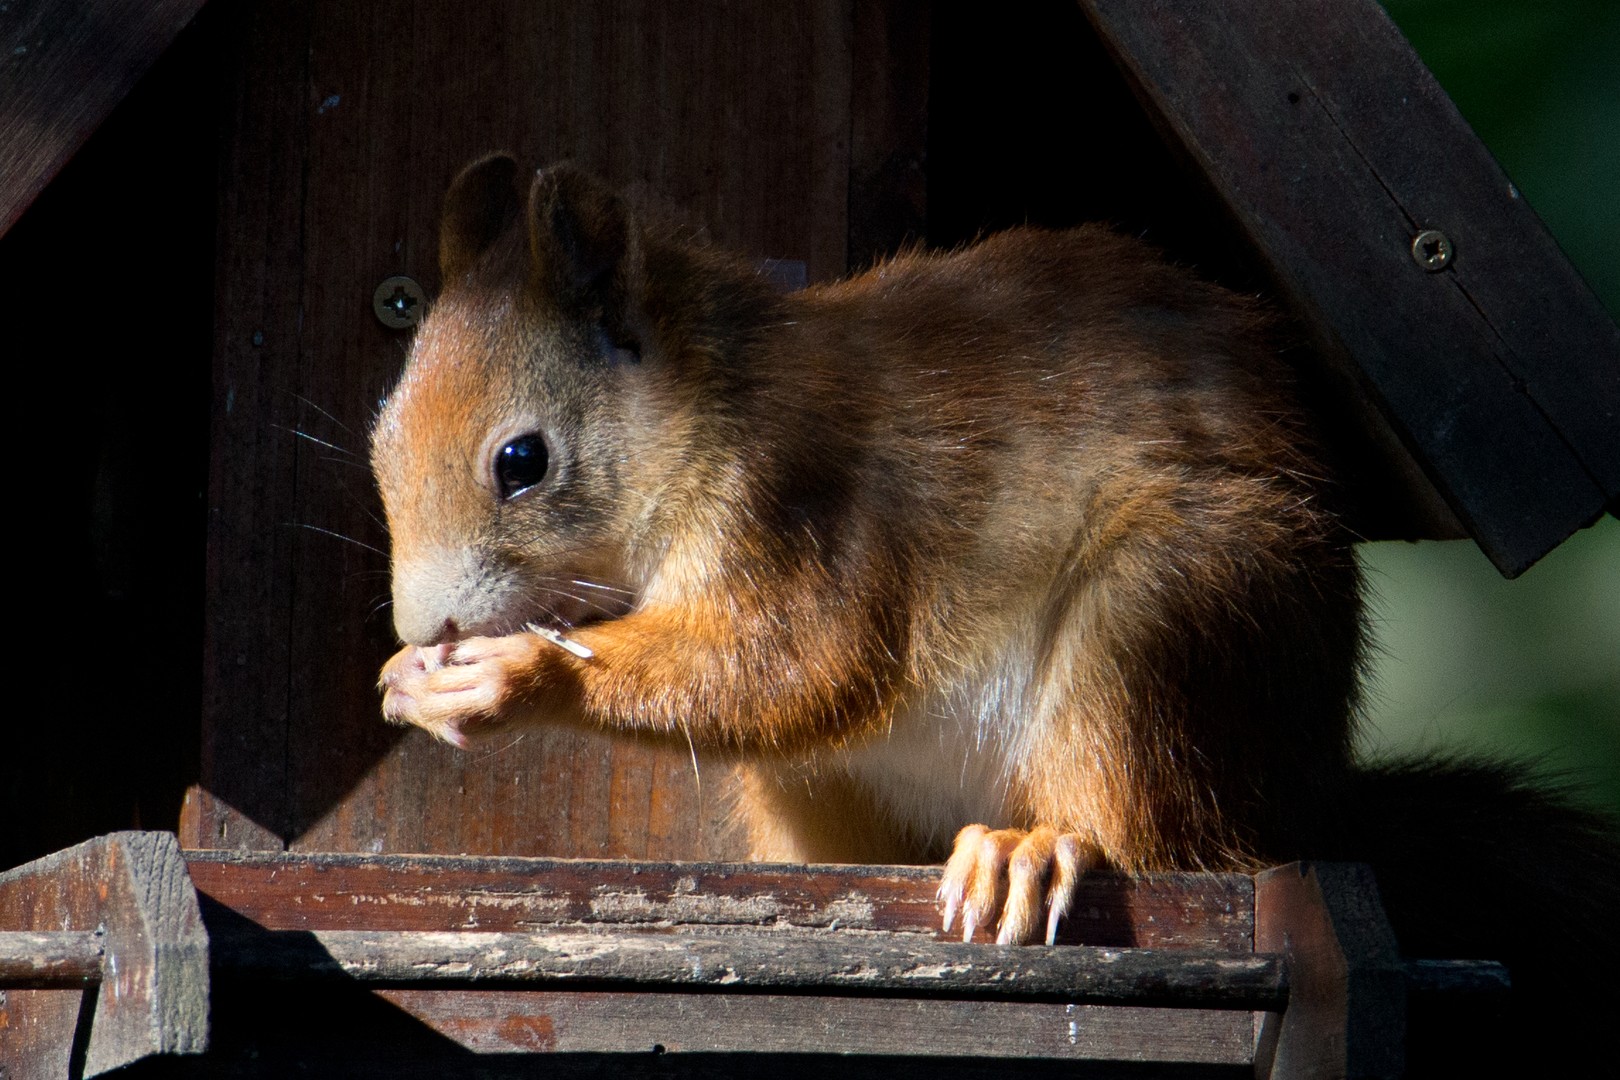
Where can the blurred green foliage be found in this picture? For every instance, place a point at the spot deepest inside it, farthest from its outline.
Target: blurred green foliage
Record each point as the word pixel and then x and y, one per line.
pixel 1526 669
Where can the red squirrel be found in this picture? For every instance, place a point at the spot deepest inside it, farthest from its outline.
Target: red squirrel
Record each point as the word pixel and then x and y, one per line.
pixel 1023 555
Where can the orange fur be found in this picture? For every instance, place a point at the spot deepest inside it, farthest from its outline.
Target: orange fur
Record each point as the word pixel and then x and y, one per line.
pixel 1049 481
pixel 1032 535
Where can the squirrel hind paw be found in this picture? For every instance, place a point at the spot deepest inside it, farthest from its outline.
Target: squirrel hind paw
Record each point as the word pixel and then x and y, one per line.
pixel 1020 882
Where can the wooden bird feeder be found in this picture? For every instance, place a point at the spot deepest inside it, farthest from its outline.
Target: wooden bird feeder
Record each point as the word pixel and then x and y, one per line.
pixel 350 898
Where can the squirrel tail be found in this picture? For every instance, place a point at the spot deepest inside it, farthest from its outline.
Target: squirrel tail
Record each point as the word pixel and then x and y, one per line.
pixel 1479 861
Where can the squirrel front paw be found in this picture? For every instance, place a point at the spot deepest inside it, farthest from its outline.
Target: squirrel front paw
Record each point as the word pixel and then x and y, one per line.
pixel 1028 877
pixel 458 690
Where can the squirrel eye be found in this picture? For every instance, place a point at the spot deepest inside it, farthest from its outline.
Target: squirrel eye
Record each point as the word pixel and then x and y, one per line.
pixel 520 464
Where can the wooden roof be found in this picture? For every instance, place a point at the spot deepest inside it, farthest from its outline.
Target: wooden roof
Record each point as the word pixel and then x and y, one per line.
pixel 1334 148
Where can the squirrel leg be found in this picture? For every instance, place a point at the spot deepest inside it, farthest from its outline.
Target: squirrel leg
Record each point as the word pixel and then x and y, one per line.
pixel 1020 881
pixel 729 679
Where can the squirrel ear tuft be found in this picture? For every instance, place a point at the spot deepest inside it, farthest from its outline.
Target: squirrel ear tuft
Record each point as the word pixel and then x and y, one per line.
pixel 579 235
pixel 481 204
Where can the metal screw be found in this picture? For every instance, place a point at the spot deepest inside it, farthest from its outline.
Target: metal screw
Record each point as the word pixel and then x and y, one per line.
pixel 1431 249
pixel 398 302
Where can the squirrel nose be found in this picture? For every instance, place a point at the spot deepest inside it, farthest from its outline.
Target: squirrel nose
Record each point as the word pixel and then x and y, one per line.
pixel 448 633
pixel 418 624
pixel 446 594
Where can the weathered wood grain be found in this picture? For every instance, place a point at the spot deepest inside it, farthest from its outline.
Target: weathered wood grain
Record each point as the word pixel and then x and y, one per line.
pixel 152 996
pixel 708 963
pixel 837 964
pixel 579 1022
pixel 736 910
pixel 417 893
pixel 63 67
pixel 1334 149
pixel 251 539
pixel 409 1032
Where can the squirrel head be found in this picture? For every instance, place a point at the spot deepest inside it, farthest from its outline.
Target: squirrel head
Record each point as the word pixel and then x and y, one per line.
pixel 524 448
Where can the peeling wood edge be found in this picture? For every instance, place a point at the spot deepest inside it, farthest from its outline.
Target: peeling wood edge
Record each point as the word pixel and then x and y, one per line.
pixel 820 965
pixel 531 864
pixel 531 895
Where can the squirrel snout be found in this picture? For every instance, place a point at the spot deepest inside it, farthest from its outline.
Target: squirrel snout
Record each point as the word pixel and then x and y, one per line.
pixel 448 594
pixel 433 597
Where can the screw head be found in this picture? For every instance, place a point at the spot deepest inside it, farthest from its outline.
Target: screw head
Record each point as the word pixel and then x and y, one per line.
pixel 398 302
pixel 1431 249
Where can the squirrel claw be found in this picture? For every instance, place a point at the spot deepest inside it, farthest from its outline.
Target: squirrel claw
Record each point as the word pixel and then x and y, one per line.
pixel 1010 878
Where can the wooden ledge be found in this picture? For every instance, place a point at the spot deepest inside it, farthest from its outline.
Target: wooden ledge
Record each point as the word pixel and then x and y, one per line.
pixel 418 965
pixel 284 891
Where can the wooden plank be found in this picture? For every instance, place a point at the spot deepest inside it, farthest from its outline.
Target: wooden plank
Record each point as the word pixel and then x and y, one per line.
pixel 1334 149
pixel 246 892
pixel 356 215
pixel 1346 1011
pixel 836 964
pixel 346 1030
pixel 242 801
pixel 490 1022
pixel 63 67
pixel 351 892
pixel 153 996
